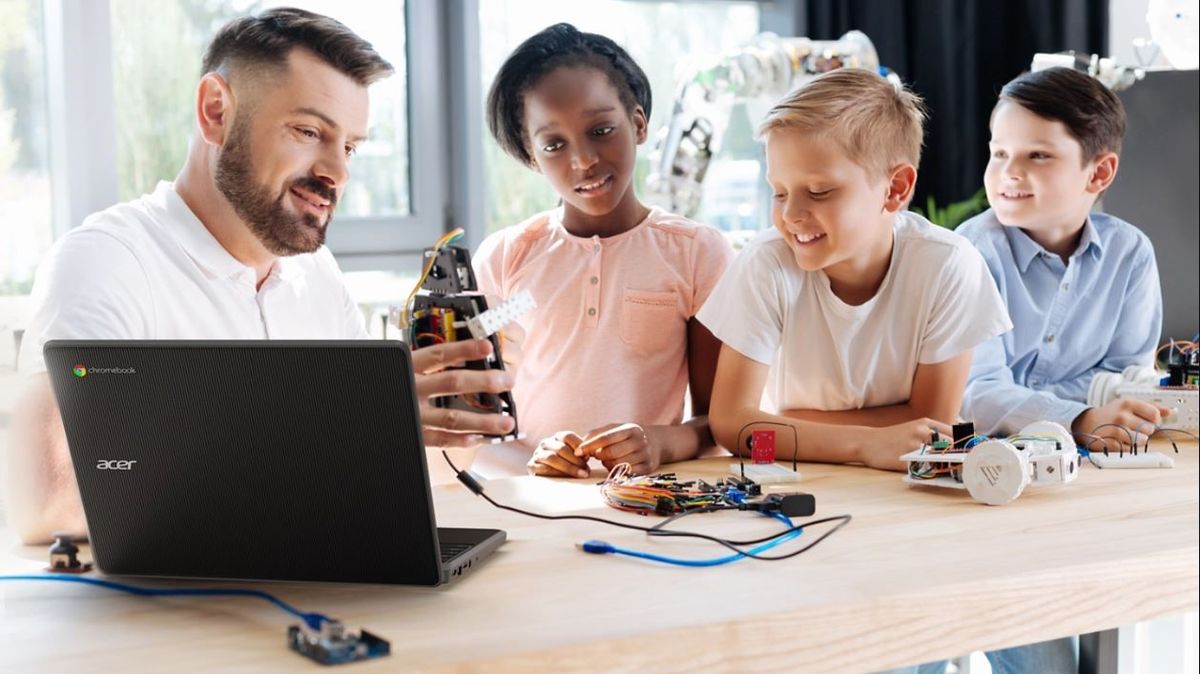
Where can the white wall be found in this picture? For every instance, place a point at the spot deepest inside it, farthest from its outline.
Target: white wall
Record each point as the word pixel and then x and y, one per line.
pixel 1126 23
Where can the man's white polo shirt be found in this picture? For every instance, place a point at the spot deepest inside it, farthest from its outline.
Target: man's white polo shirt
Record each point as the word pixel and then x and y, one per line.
pixel 148 269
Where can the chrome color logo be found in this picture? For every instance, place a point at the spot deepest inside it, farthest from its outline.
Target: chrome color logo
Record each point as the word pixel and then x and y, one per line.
pixel 80 371
pixel 116 464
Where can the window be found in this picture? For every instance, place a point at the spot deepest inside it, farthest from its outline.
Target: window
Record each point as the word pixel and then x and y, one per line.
pixel 157 48
pixel 25 201
pixel 732 198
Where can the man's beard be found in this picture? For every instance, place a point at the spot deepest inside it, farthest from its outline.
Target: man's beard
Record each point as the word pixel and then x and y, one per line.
pixel 280 232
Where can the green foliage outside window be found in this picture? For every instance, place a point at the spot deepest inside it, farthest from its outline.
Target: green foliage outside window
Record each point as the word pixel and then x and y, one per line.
pixel 954 214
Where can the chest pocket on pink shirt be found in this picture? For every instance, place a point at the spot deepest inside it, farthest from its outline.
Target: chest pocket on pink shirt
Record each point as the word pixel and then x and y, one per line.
pixel 650 320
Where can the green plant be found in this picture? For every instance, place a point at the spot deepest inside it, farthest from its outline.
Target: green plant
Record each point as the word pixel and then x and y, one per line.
pixel 954 214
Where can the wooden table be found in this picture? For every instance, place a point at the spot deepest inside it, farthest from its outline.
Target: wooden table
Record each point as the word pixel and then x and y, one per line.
pixel 919 574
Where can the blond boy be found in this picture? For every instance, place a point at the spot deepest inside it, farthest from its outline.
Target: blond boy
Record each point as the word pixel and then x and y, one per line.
pixel 857 317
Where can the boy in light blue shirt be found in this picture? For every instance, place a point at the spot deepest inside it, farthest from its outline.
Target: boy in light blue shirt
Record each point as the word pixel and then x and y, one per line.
pixel 1082 288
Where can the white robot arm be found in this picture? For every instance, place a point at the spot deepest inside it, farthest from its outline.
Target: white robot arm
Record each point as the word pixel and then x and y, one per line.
pixel 763 71
pixel 1175 29
pixel 1111 74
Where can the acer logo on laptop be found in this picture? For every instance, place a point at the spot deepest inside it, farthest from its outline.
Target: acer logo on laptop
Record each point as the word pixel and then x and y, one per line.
pixel 115 464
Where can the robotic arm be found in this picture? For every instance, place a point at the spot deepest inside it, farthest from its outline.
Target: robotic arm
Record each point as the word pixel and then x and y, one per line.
pixel 761 73
pixel 1111 74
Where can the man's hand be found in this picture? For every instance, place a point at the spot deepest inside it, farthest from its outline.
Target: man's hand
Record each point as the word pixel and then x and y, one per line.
pixel 445 427
pixel 640 447
pixel 556 456
pixel 1117 424
pixel 882 447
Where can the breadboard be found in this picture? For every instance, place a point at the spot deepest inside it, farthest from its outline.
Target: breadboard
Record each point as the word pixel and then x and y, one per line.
pixel 1131 460
pixel 766 473
pixel 493 320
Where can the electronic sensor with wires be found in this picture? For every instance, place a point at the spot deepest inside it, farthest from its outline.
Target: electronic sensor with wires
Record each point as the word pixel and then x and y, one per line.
pixel 763 469
pixel 334 644
pixel 446 306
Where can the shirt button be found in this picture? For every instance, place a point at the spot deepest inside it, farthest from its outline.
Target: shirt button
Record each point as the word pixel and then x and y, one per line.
pixel 596 248
pixel 592 311
pixel 595 280
pixel 1066 286
pixel 1049 339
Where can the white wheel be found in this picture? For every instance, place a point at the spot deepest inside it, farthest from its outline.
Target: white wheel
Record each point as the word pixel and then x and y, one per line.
pixel 994 472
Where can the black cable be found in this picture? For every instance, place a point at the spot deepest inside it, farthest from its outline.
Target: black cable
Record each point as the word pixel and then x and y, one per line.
pixel 795 444
pixel 1088 446
pixel 473 484
pixel 659 529
pixel 1127 432
pixel 1138 431
pixel 1189 434
pixel 842 520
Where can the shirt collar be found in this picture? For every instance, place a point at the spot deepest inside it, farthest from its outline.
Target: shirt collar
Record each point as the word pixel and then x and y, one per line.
pixel 287 269
pixel 1090 240
pixel 203 247
pixel 1026 249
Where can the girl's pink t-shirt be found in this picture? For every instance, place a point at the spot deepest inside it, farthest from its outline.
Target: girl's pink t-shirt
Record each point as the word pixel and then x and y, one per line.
pixel 608 340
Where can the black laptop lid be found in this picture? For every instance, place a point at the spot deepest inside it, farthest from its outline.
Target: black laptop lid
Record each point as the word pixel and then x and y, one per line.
pixel 249 459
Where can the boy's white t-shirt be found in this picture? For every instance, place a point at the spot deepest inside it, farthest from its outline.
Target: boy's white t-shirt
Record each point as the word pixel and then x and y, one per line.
pixel 936 301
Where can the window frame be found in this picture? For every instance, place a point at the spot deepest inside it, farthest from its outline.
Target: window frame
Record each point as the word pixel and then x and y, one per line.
pixel 83 147
pixel 445 126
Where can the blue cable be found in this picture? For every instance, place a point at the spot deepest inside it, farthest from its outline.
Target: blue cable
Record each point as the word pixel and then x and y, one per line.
pixel 604 547
pixel 313 620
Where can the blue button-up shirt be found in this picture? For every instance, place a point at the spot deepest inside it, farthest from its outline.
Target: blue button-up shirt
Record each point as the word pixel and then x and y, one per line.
pixel 1099 312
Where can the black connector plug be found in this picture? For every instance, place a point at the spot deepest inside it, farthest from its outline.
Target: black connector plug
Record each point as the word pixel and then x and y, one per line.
pixel 469 480
pixel 799 504
pixel 64 555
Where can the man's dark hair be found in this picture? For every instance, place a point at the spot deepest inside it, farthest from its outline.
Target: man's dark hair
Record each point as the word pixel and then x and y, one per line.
pixel 1092 113
pixel 555 47
pixel 266 40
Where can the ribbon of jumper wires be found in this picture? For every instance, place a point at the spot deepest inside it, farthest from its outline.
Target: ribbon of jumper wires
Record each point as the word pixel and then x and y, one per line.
pixel 660 494
pixel 407 316
pixel 664 495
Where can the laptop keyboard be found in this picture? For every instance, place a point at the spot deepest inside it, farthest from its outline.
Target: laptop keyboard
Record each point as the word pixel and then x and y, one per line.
pixel 452 550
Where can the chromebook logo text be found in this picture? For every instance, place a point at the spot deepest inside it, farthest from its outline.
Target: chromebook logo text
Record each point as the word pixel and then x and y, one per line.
pixel 82 371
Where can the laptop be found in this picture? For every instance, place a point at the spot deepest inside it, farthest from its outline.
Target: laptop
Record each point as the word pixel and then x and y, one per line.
pixel 263 460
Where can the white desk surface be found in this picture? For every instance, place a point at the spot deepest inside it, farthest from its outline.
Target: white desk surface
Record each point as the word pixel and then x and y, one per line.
pixel 919 574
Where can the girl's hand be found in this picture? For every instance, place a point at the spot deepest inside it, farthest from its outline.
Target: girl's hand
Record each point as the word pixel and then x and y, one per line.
pixel 640 447
pixel 556 456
